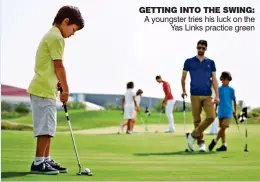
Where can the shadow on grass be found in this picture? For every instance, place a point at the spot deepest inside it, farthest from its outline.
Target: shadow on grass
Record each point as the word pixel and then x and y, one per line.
pixel 175 153
pixel 13 174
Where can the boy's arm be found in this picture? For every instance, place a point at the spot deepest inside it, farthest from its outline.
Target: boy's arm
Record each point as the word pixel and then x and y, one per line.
pixel 56 49
pixel 216 108
pixel 235 103
pixel 235 107
pixel 135 104
pixel 61 75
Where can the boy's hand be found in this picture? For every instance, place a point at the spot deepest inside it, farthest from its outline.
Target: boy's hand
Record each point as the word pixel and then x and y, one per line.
pixel 58 86
pixel 137 109
pixel 235 114
pixel 64 96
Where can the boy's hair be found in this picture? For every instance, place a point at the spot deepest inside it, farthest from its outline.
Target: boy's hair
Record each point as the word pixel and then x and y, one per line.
pixel 70 12
pixel 225 75
pixel 139 91
pixel 130 85
pixel 158 77
pixel 202 42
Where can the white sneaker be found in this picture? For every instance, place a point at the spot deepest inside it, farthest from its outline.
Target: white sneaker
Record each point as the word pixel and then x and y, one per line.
pixel 202 147
pixel 129 132
pixel 191 141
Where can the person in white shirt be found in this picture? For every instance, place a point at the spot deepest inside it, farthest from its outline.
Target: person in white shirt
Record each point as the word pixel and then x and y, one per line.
pixel 137 99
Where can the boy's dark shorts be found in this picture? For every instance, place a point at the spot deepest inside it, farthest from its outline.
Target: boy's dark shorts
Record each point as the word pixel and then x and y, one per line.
pixel 224 122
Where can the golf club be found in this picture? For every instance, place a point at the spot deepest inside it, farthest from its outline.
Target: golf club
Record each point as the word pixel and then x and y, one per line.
pixel 184 119
pixel 242 117
pixel 143 122
pixel 235 117
pixel 121 122
pixel 86 172
pixel 160 118
pixel 246 150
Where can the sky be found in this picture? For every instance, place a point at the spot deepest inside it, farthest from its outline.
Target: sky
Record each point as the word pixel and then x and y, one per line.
pixel 116 46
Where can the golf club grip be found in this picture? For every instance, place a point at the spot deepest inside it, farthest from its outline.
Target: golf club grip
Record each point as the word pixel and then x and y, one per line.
pixel 184 106
pixel 64 105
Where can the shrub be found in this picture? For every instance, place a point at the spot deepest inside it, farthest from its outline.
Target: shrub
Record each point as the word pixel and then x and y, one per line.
pixel 5 125
pixel 6 107
pixel 255 113
pixel 22 109
pixel 111 106
pixel 9 115
pixel 76 105
pixel 158 107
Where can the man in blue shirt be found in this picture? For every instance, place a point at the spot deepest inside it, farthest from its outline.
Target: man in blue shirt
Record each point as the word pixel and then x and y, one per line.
pixel 203 75
pixel 225 110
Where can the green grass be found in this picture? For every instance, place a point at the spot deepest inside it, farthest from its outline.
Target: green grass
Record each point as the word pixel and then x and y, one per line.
pixel 134 157
pixel 81 119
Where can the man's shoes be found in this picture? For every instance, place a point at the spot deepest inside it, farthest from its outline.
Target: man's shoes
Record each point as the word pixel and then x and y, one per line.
pixel 43 168
pixel 222 148
pixel 57 166
pixel 129 132
pixel 169 131
pixel 202 147
pixel 212 145
pixel 191 141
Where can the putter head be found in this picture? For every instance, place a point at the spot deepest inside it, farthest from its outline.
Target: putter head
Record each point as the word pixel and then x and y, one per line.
pixel 85 173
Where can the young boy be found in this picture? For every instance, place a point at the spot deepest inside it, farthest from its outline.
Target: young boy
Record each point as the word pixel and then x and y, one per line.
pixel 225 110
pixel 49 74
pixel 133 121
pixel 130 106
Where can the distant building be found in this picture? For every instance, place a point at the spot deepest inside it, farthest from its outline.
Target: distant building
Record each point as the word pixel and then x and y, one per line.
pixel 14 95
pixel 113 99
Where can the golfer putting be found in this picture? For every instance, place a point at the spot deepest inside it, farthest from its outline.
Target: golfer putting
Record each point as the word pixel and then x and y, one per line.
pixel 168 103
pixel 137 97
pixel 49 70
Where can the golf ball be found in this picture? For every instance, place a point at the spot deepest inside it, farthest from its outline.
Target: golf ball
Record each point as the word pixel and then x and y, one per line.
pixel 87 170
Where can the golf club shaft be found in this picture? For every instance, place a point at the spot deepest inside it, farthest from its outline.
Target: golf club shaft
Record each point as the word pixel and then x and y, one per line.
pixel 246 135
pixel 143 122
pixel 184 118
pixel 73 140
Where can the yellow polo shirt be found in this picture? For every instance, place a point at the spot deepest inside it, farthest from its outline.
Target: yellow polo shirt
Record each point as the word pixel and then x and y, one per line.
pixel 44 82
